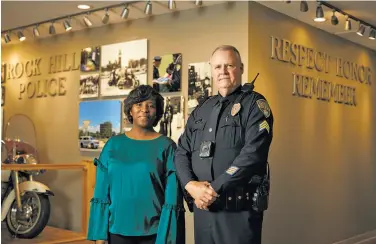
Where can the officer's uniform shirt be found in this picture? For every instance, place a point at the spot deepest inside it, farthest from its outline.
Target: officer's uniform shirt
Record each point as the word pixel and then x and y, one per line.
pixel 241 146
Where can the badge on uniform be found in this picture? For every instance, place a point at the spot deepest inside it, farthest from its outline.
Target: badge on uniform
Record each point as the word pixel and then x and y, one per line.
pixel 264 107
pixel 232 170
pixel 235 109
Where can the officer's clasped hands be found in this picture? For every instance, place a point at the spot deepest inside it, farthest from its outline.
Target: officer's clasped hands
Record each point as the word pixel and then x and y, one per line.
pixel 202 192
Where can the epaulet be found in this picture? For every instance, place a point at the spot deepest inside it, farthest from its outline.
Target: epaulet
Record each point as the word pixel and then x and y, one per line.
pixel 248 87
pixel 203 100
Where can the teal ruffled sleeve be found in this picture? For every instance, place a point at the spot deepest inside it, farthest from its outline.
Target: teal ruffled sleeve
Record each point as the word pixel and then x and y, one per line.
pixel 99 204
pixel 171 229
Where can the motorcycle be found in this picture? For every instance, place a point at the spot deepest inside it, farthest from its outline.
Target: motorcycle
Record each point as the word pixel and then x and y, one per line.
pixel 25 204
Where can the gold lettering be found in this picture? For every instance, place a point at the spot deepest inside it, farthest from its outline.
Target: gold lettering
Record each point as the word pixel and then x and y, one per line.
pixel 52 65
pixel 310 61
pixel 22 90
pixel 317 66
pixel 294 50
pixel 368 76
pixel 65 68
pixel 354 69
pixel 302 55
pixel 346 69
pixel 286 48
pixel 52 91
pixel 30 84
pixel 327 62
pixel 361 74
pixel 62 90
pixel 339 67
pixel 74 62
pixel 19 69
pixel 27 71
pixel 39 89
pixel 36 67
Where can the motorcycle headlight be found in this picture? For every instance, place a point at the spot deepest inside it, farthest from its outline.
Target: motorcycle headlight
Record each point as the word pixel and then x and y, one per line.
pixel 30 159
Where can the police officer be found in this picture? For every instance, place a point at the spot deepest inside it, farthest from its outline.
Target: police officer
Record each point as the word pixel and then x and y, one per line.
pixel 222 156
pixel 156 64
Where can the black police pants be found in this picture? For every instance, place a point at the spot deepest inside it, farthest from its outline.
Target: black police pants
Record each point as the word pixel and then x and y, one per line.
pixel 222 227
pixel 120 239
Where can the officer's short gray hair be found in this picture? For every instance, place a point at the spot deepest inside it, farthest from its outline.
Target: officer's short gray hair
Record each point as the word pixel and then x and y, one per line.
pixel 228 48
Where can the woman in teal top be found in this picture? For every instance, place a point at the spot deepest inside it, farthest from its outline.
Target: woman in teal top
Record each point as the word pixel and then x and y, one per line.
pixel 137 197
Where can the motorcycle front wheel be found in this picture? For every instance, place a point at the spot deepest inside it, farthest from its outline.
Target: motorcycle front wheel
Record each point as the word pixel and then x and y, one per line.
pixel 33 218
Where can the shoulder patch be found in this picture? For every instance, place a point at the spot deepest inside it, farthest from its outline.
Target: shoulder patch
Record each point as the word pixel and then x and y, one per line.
pixel 264 107
pixel 232 170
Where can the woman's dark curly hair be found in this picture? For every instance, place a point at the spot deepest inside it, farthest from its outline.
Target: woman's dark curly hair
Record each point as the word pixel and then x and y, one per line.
pixel 140 94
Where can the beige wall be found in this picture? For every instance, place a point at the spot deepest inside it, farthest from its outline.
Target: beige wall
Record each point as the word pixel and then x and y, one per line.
pixel 194 33
pixel 322 159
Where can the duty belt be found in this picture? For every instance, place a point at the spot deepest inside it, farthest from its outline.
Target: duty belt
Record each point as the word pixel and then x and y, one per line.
pixel 239 199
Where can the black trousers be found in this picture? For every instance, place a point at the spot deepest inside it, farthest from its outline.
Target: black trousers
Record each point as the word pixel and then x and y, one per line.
pixel 227 227
pixel 119 239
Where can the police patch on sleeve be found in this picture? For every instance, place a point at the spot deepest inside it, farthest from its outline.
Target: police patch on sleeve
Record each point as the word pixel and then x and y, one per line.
pixel 232 170
pixel 264 107
pixel 264 126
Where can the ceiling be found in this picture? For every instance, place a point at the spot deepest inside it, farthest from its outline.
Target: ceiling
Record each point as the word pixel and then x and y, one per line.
pixel 15 14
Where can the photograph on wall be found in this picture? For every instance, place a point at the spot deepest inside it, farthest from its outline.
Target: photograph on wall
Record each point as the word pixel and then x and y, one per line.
pixel 98 121
pixel 90 59
pixel 167 73
pixel 89 85
pixel 2 95
pixel 123 67
pixel 172 121
pixel 199 84
pixel 3 72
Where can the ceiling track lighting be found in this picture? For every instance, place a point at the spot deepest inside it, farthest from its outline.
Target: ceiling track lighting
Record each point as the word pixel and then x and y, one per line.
pixel 319 13
pixel 171 4
pixel 334 19
pixel 198 2
pixel 21 36
pixel 7 37
pixel 148 8
pixel 87 21
pixel 36 31
pixel 52 30
pixel 67 25
pixel 348 24
pixel 303 6
pixel 125 13
pixel 106 17
pixel 361 30
pixel 372 34
pixel 66 20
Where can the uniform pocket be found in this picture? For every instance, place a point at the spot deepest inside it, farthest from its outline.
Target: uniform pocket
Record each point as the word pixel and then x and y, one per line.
pixel 231 130
pixel 197 132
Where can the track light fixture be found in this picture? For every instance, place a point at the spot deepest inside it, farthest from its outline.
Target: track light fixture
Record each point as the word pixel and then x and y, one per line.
pixel 171 4
pixel 361 30
pixel 303 6
pixel 124 14
pixel 198 2
pixel 148 8
pixel 334 18
pixel 7 37
pixel 319 13
pixel 372 34
pixel 36 31
pixel 52 30
pixel 67 25
pixel 87 21
pixel 348 24
pixel 106 17
pixel 21 36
